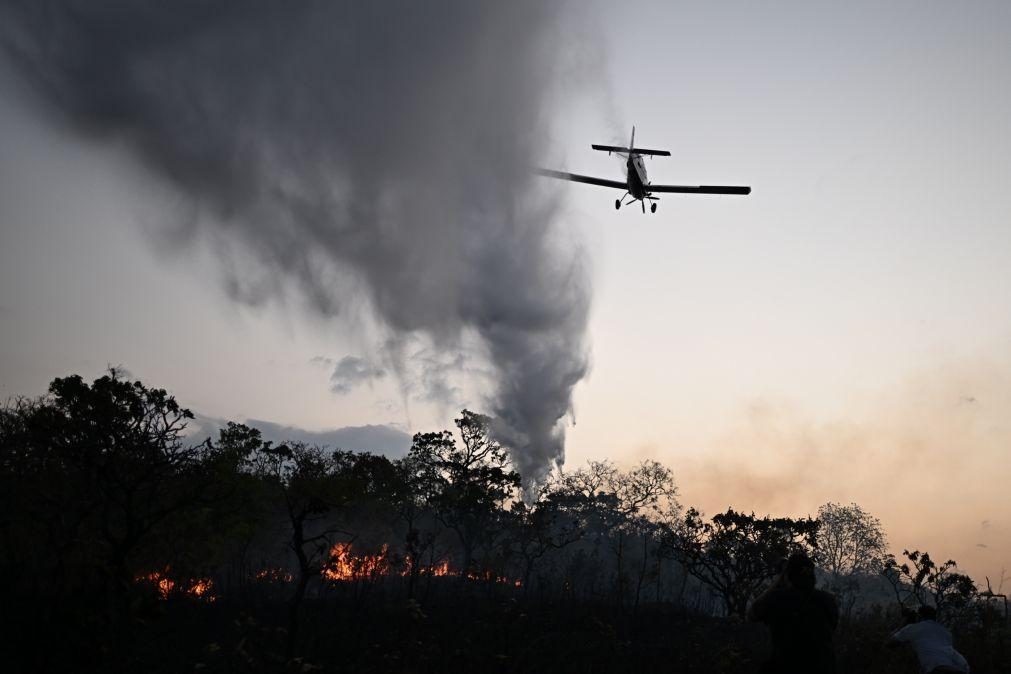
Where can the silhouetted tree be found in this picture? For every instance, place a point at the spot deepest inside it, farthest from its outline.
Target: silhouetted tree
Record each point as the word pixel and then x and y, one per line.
pixel 627 511
pixel 538 529
pixel 920 580
pixel 93 479
pixel 467 485
pixel 100 486
pixel 583 497
pixel 412 496
pixel 648 498
pixel 212 537
pixel 851 546
pixel 99 468
pixel 735 554
pixel 312 484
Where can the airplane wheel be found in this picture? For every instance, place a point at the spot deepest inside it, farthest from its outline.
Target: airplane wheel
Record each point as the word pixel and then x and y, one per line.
pixel 617 204
pixel 652 208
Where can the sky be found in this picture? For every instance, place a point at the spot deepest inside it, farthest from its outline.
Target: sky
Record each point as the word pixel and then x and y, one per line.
pixel 842 334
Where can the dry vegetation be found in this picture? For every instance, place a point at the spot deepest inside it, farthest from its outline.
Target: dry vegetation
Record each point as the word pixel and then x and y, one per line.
pixel 126 547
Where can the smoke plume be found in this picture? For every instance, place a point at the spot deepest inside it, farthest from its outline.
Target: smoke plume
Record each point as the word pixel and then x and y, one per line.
pixel 352 371
pixel 351 149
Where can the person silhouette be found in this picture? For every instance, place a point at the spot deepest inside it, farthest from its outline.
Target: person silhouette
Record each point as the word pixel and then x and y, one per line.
pixel 931 642
pixel 801 619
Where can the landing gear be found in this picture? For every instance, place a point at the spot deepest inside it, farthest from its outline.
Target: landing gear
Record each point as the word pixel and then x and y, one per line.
pixel 652 207
pixel 617 204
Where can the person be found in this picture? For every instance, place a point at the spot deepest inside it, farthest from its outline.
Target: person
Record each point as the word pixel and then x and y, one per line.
pixel 801 620
pixel 931 642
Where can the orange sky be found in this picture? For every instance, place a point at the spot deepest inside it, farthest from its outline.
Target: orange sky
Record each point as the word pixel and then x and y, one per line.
pixel 927 457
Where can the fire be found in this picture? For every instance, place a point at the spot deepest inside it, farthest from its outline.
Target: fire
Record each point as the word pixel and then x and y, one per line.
pixel 489 577
pixel 274 576
pixel 198 588
pixel 439 569
pixel 201 587
pixel 343 565
pixel 164 585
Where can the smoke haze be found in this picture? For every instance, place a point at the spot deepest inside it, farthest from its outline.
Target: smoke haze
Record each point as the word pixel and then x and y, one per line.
pixel 349 151
pixel 926 458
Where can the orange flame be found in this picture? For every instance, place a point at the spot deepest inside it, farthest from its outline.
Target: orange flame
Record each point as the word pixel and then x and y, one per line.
pixel 343 565
pixel 439 569
pixel 274 576
pixel 164 585
pixel 489 577
pixel 198 588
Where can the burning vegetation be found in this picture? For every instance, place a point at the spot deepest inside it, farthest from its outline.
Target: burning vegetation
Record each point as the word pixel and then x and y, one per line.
pixel 273 576
pixel 115 506
pixel 195 588
pixel 344 565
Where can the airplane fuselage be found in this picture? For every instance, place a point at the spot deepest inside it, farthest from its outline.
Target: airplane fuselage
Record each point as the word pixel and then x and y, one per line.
pixel 637 185
pixel 637 180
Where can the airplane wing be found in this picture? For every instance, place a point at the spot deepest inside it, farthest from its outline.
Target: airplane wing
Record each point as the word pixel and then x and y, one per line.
pixel 561 175
pixel 700 189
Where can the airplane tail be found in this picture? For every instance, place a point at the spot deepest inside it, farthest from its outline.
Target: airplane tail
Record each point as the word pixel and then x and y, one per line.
pixel 631 149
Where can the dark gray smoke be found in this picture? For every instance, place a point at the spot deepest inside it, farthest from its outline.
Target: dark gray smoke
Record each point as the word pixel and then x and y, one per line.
pixel 373 148
pixel 351 372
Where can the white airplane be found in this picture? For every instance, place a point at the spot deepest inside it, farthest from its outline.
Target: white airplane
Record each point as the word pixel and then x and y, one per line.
pixel 637 186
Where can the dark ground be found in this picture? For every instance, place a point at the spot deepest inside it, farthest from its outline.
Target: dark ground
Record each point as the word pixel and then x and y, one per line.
pixel 489 635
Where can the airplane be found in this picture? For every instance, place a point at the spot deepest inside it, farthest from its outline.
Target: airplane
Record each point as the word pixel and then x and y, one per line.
pixel 637 186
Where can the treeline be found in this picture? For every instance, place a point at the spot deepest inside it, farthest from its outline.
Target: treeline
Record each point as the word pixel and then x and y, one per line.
pixel 110 513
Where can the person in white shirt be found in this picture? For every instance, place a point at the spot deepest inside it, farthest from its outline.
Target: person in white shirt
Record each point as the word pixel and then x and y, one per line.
pixel 931 642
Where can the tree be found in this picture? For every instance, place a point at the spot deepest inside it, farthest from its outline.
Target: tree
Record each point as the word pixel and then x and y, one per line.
pixel 411 496
pixel 851 545
pixel 466 485
pixel 588 495
pixel 219 528
pixel 100 467
pixel 648 499
pixel 921 580
pixel 538 529
pixel 312 485
pixel 735 554
pixel 624 511
pixel 96 481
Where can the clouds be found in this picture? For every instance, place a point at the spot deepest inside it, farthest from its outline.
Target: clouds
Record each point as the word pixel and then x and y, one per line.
pixel 351 153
